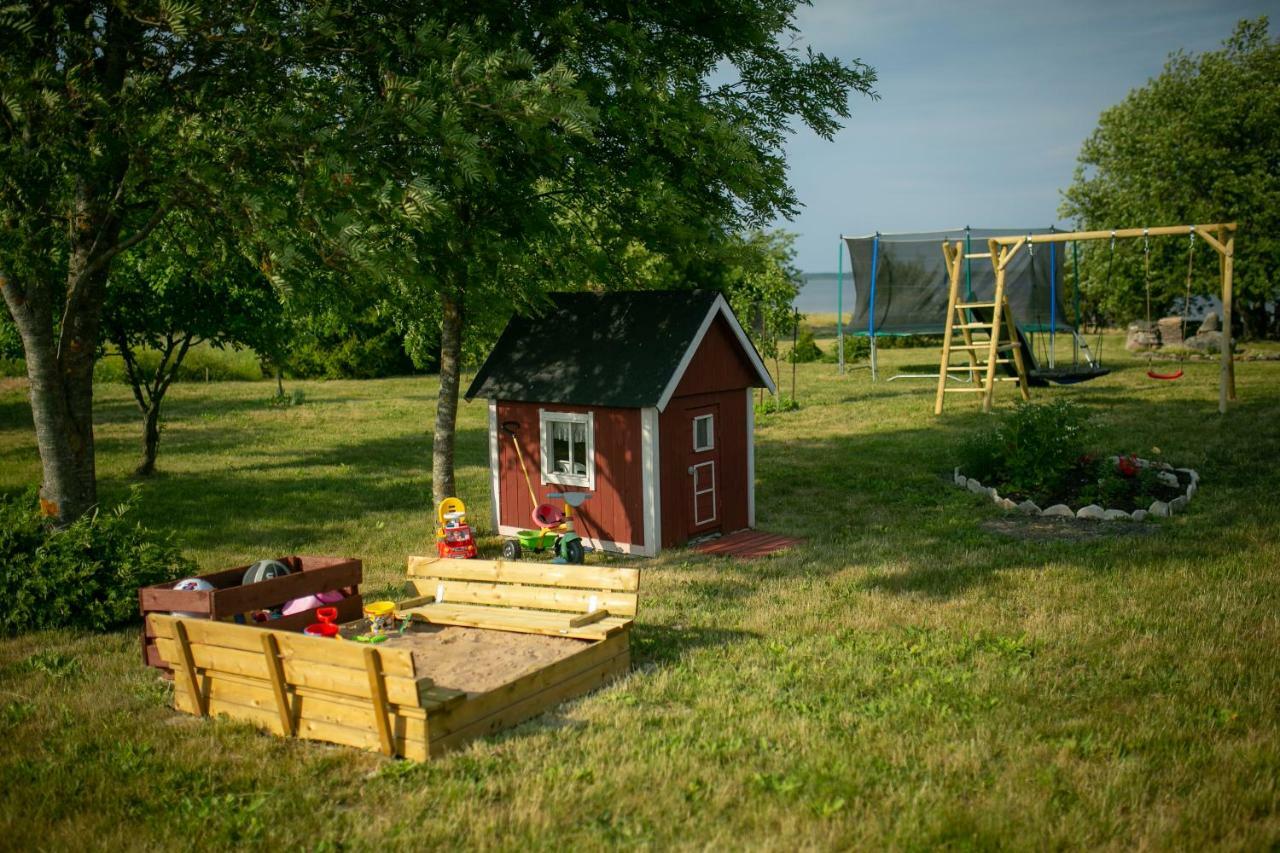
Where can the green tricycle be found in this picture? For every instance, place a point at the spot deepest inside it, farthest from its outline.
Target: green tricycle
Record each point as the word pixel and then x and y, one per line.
pixel 555 532
pixel 555 528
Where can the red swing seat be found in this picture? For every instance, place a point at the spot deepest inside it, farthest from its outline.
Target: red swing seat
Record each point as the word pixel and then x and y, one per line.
pixel 1177 374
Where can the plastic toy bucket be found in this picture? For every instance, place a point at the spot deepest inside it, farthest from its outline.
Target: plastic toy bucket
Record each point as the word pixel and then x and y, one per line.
pixel 535 539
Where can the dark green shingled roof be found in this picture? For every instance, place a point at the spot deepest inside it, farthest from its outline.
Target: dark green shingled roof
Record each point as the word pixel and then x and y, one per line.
pixel 590 349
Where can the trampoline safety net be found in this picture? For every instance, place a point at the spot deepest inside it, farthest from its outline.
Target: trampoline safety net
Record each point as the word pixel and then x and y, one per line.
pixel 900 283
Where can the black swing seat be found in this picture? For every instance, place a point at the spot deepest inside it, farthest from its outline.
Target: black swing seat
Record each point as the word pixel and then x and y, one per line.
pixel 1037 376
pixel 1069 375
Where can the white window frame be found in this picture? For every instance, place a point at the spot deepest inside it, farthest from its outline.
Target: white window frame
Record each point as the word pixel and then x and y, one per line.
pixel 559 478
pixel 711 432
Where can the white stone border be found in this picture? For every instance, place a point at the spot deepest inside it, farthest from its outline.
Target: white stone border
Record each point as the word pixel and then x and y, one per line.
pixel 1159 509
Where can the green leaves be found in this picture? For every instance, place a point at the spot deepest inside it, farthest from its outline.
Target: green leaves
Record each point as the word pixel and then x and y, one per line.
pixel 1200 143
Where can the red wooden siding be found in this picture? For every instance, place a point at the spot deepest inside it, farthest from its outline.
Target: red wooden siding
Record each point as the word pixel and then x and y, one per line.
pixel 718 365
pixel 718 373
pixel 616 511
pixel 675 427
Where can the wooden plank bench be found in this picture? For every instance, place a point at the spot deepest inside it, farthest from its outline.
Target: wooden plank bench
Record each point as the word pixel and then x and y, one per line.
pixel 372 697
pixel 587 602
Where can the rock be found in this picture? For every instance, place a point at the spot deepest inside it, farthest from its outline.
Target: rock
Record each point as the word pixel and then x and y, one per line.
pixel 1006 504
pixel 1171 333
pixel 1091 511
pixel 1192 488
pixel 1139 515
pixel 1159 509
pixel 1168 479
pixel 962 481
pixel 1060 510
pixel 1116 515
pixel 1190 472
pixel 1178 504
pixel 1210 323
pixel 1205 342
pixel 995 496
pixel 957 477
pixel 1141 337
pixel 1029 508
pixel 976 487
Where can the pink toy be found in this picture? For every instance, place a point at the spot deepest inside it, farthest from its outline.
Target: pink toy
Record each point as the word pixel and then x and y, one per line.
pixel 310 602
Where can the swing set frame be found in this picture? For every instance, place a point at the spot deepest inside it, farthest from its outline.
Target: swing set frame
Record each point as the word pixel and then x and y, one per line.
pixel 1219 235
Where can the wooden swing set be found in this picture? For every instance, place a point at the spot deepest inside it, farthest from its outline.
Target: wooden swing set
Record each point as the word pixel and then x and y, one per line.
pixel 970 318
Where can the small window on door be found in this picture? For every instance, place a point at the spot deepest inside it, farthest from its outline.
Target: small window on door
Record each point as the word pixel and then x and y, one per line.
pixel 704 433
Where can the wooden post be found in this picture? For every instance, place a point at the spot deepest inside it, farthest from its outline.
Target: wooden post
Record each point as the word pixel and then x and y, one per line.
pixel 378 698
pixel 952 257
pixel 275 670
pixel 1227 380
pixel 189 669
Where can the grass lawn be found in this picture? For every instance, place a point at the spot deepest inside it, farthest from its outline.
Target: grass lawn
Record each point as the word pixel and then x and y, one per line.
pixel 909 678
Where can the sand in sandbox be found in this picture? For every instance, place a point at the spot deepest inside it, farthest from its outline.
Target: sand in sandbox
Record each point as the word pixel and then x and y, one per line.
pixel 476 659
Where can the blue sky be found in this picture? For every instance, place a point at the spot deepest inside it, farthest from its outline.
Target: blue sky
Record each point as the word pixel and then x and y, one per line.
pixel 983 106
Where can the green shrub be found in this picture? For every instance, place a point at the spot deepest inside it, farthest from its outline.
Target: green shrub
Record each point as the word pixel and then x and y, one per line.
pixel 806 349
pixel 1123 485
pixel 1034 451
pixel 856 348
pixel 776 405
pixel 86 576
pixel 907 341
pixel 295 397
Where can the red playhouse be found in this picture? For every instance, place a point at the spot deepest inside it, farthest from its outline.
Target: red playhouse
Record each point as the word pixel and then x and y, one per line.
pixel 643 399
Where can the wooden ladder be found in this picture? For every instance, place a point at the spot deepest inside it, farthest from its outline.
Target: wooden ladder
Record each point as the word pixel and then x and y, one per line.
pixel 996 352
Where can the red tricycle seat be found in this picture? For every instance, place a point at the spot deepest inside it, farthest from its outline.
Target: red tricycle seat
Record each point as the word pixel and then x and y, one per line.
pixel 547 515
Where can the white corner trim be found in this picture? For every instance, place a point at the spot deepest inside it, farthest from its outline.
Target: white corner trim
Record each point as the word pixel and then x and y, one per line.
pixel 651 484
pixel 751 459
pixel 494 456
pixel 718 307
pixel 597 544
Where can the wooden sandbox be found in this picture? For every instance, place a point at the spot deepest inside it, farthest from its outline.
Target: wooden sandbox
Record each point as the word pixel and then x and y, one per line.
pixel 504 642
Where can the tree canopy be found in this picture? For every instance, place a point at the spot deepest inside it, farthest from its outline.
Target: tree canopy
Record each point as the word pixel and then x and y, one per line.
pixel 447 161
pixel 1198 143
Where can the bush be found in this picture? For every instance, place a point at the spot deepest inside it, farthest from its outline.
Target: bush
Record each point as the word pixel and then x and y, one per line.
pixel 776 405
pixel 806 349
pixel 1035 450
pixel 856 348
pixel 86 576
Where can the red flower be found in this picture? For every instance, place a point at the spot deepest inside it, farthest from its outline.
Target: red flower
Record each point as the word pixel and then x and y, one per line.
pixel 1127 466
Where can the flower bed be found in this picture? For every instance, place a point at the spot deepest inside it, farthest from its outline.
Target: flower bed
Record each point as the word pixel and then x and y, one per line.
pixel 1179 486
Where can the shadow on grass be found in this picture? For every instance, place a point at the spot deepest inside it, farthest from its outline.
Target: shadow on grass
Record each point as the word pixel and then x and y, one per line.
pixel 664 644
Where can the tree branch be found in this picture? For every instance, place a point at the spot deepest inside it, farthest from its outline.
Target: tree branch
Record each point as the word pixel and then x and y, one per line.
pixel 100 262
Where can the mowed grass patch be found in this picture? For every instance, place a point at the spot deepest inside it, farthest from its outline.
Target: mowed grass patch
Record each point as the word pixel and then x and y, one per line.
pixel 906 678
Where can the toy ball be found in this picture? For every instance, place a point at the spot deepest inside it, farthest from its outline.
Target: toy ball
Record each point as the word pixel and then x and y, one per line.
pixel 310 602
pixel 192 585
pixel 265 570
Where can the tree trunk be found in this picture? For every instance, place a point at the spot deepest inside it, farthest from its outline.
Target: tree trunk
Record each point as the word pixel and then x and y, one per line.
pixel 150 440
pixel 443 439
pixel 61 369
pixel 1253 318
